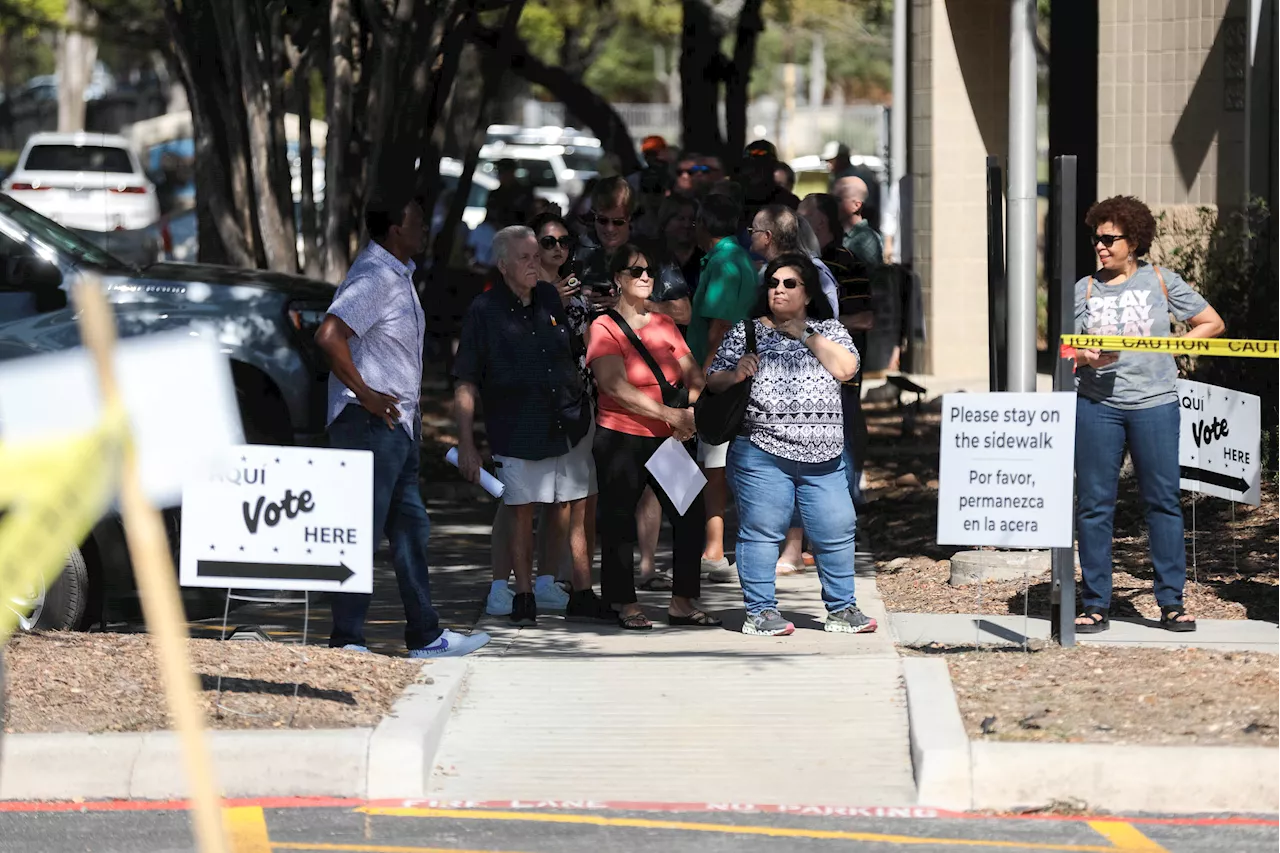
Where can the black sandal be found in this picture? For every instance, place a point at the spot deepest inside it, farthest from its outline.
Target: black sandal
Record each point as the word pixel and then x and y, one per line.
pixel 635 622
pixel 1099 621
pixel 696 619
pixel 657 582
pixel 1169 619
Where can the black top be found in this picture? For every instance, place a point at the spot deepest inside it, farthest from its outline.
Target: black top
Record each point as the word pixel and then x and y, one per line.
pixel 521 358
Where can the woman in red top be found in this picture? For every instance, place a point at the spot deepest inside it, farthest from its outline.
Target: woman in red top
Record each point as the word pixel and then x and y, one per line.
pixel 632 423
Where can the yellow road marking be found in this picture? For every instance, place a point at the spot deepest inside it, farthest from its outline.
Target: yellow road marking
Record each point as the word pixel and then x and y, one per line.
pixel 1125 836
pixel 247 829
pixel 726 829
pixel 374 848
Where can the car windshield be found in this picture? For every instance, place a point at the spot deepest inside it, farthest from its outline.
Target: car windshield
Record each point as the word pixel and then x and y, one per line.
pixel 55 236
pixel 78 158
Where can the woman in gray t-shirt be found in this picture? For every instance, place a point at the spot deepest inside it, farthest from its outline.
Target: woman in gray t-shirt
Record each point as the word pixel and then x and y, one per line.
pixel 1129 399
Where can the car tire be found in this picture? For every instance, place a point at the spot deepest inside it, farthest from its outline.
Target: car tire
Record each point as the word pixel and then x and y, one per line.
pixel 66 600
pixel 263 414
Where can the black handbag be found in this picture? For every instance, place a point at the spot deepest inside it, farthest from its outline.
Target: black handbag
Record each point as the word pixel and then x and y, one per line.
pixel 719 417
pixel 672 396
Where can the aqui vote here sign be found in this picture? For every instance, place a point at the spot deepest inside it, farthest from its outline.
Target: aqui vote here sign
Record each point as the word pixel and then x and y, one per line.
pixel 1006 468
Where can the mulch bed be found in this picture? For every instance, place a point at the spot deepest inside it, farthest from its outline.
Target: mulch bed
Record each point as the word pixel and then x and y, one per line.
pixel 1232 568
pixel 69 682
pixel 1073 695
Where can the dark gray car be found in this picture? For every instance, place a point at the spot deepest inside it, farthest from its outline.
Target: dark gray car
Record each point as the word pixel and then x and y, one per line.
pixel 264 323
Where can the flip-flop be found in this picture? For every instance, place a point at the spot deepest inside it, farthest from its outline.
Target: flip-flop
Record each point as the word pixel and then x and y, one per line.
pixel 696 619
pixel 635 622
pixel 657 582
pixel 784 569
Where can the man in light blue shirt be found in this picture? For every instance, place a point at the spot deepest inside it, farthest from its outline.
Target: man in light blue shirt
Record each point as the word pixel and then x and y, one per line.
pixel 373 336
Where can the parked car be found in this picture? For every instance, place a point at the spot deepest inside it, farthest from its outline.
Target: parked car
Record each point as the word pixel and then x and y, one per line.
pixel 478 198
pixel 540 170
pixel 264 323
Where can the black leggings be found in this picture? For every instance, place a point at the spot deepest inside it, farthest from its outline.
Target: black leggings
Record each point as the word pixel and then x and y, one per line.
pixel 621 474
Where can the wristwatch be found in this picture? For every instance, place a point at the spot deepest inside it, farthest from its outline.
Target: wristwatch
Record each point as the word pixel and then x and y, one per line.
pixel 806 334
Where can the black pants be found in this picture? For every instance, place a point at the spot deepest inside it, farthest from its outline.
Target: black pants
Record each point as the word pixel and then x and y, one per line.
pixel 621 474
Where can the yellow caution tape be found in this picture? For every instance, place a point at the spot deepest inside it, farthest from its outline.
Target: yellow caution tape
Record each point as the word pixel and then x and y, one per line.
pixel 1177 346
pixel 54 493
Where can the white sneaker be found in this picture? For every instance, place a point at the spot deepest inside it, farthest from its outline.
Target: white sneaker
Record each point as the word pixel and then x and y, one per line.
pixel 451 644
pixel 719 571
pixel 548 594
pixel 499 601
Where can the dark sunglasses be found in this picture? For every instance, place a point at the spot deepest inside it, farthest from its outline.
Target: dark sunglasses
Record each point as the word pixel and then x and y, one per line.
pixel 1106 239
pixel 636 272
pixel 694 170
pixel 616 223
pixel 775 283
pixel 548 242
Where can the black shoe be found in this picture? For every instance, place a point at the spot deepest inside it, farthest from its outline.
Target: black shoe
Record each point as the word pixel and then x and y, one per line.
pixel 524 610
pixel 584 606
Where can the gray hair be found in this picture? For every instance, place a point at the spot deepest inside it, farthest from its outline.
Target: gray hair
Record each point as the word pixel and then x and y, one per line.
pixel 784 228
pixel 508 237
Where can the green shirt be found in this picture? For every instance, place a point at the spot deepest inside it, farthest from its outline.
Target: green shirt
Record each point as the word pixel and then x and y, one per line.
pixel 864 242
pixel 727 290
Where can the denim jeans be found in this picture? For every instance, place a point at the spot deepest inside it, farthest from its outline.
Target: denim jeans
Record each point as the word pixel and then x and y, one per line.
pixel 768 490
pixel 398 511
pixel 1152 437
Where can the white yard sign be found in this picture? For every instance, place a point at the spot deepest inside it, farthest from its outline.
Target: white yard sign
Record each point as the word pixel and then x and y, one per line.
pixel 1005 472
pixel 296 518
pixel 1220 443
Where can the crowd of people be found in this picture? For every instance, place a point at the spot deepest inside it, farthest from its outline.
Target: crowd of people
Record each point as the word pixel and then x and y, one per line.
pixel 601 328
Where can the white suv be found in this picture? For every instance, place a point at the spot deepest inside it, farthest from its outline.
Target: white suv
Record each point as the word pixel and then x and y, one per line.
pixel 84 181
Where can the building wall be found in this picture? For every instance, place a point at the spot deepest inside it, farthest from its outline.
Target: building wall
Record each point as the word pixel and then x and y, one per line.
pixel 960 103
pixel 1171 101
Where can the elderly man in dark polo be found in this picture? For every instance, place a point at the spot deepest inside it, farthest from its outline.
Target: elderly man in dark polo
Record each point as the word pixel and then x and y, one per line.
pixel 517 355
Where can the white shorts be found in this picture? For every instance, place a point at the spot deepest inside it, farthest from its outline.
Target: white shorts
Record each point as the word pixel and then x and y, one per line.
pixel 713 455
pixel 569 477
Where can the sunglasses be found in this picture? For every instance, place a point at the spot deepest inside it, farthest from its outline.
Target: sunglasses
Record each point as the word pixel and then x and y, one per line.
pixel 616 223
pixel 548 242
pixel 775 283
pixel 1106 239
pixel 636 272
pixel 694 170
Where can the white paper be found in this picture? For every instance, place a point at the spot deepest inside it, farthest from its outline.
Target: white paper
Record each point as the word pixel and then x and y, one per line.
pixel 491 484
pixel 176 387
pixel 297 518
pixel 677 473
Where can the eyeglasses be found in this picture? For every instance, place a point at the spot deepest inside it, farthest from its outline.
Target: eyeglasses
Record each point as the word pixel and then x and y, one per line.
pixel 636 272
pixel 1106 239
pixel 616 223
pixel 548 242
pixel 759 231
pixel 775 283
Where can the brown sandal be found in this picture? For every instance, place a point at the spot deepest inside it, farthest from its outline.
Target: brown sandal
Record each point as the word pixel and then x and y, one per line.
pixel 635 622
pixel 695 618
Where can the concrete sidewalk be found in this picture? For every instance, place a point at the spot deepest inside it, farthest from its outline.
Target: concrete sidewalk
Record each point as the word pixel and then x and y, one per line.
pixel 584 712
pixel 953 629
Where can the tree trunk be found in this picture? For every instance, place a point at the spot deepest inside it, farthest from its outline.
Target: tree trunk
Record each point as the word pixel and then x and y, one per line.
pixel 302 106
pixel 737 89
pixel 339 114
pixel 77 54
pixel 578 99
pixel 700 73
pixel 455 30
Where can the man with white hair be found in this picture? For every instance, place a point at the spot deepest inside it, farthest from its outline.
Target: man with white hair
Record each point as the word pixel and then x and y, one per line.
pixel 859 237
pixel 516 354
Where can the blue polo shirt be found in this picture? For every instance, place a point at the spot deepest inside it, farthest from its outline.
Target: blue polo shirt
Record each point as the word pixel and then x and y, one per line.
pixel 522 358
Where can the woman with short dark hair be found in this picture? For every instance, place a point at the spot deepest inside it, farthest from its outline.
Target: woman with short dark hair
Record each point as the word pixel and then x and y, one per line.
pixel 1129 400
pixel 790 452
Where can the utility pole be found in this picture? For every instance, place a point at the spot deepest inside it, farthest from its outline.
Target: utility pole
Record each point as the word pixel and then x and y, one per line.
pixel 901 97
pixel 1021 246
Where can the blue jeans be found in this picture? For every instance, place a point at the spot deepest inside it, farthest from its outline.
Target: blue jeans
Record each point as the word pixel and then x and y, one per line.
pixel 855 439
pixel 1152 437
pixel 398 511
pixel 768 490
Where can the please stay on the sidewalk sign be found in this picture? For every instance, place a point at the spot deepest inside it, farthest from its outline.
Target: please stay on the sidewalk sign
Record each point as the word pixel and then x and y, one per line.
pixel 1005 470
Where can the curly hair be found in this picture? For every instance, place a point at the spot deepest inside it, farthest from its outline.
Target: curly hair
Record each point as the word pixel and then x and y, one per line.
pixel 1130 215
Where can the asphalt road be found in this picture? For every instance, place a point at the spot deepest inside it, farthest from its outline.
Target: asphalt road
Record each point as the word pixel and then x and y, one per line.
pixel 354 828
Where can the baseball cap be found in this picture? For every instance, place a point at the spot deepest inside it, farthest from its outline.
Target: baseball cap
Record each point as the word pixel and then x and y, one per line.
pixel 833 150
pixel 651 144
pixel 761 148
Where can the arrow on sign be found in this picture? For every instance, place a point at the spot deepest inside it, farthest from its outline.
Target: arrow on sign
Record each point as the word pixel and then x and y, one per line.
pixel 284 571
pixel 1213 478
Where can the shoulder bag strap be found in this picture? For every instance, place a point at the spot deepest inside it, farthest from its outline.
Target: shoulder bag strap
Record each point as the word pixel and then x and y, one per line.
pixel 1163 286
pixel 642 349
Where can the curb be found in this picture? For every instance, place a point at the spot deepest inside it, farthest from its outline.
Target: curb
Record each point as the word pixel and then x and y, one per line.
pixel 393 760
pixel 957 774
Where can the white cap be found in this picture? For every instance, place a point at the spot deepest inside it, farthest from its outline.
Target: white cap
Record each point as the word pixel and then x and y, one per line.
pixel 833 150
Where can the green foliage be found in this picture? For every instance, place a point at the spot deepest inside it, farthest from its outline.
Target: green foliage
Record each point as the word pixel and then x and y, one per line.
pixel 1234 270
pixel 858 46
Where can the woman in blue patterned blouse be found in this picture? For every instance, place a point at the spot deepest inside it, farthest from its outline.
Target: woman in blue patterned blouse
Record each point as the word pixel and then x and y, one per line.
pixel 790 452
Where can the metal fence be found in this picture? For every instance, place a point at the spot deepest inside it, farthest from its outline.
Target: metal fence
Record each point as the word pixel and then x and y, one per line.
pixel 863 127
